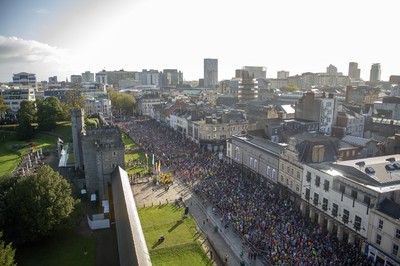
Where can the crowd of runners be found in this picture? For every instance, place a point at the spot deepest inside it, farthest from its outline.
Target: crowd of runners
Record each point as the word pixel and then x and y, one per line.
pixel 271 227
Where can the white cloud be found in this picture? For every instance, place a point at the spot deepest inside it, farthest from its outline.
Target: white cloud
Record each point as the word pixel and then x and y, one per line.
pixel 28 55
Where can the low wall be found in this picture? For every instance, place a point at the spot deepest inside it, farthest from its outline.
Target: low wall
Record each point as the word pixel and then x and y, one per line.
pixel 98 222
pixel 132 246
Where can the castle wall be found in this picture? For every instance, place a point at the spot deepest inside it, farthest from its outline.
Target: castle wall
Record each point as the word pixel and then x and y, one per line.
pixel 103 151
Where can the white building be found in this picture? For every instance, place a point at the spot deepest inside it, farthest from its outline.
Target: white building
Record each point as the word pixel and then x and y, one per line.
pixel 94 106
pixel 258 156
pixel 14 96
pixel 384 233
pixel 358 200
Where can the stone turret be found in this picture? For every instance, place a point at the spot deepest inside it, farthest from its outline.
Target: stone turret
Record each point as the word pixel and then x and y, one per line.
pixel 78 128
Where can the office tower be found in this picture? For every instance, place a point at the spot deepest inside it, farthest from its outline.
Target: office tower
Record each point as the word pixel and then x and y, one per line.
pixel 256 71
pixel 354 71
pixel 210 72
pixel 331 70
pixel 76 79
pixel 283 74
pixel 375 73
pixel 87 77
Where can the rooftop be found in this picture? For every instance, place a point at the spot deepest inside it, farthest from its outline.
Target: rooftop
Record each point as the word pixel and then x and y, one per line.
pixel 381 173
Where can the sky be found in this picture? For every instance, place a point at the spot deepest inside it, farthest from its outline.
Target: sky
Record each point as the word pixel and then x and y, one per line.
pixel 64 37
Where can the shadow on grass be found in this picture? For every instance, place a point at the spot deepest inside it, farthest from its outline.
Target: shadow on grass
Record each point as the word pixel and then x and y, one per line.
pixel 178 223
pixel 156 244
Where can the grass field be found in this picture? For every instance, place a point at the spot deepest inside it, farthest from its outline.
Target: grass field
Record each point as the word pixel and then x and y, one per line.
pixel 11 149
pixel 62 250
pixel 133 156
pixel 181 245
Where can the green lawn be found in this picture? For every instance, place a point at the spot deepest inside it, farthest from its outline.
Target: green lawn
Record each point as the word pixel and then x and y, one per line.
pixel 181 245
pixel 133 156
pixel 62 249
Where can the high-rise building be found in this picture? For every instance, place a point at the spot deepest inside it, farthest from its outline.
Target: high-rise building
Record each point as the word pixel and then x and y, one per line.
pixel 375 73
pixel 87 77
pixel 210 72
pixel 354 71
pixel 247 88
pixel 331 70
pixel 283 74
pixel 76 79
pixel 101 77
pixel 256 71
pixel 171 77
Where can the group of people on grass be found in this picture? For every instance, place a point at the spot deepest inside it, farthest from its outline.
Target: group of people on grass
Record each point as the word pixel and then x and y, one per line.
pixel 270 225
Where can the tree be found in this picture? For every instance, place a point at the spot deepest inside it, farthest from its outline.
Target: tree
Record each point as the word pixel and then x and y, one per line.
pixel 49 112
pixel 73 99
pixel 289 88
pixel 3 107
pixel 7 253
pixel 26 116
pixel 122 101
pixel 38 205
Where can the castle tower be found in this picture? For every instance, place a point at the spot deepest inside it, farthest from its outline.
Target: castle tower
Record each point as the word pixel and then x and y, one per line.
pixel 104 150
pixel 78 124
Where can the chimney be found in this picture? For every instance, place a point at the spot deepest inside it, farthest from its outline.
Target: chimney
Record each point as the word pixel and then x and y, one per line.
pixel 310 96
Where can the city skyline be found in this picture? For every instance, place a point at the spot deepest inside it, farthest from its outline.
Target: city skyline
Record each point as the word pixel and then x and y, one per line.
pixel 62 38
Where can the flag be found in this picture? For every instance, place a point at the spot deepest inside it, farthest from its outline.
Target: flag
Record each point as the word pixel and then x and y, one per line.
pixel 159 166
pixel 152 159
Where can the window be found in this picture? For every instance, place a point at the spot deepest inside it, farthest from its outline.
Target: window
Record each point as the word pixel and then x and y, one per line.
pixel 308 176
pixel 378 239
pixel 380 224
pixel 114 154
pixel 342 188
pixel 325 204
pixel 297 188
pixel 316 198
pixel 298 175
pixel 357 223
pixel 367 200
pixel 335 208
pixel 287 169
pixel 395 249
pixel 397 233
pixel 317 181
pixel 307 196
pixel 345 217
pixel 326 185
pixel 354 194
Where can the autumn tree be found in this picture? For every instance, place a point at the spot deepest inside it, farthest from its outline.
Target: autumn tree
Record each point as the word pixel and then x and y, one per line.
pixel 73 99
pixel 121 101
pixel 289 88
